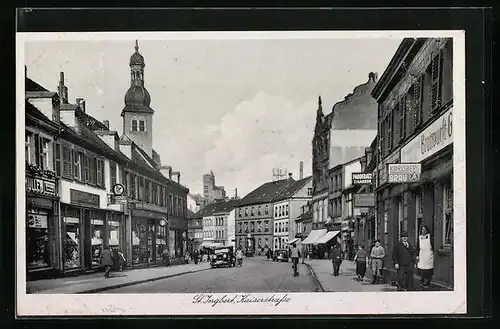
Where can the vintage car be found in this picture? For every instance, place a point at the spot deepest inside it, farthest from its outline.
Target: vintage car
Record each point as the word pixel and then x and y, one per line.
pixel 281 255
pixel 222 256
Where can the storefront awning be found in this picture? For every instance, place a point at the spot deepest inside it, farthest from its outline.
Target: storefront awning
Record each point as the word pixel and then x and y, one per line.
pixel 327 237
pixel 294 240
pixel 314 235
pixel 205 244
pixel 215 245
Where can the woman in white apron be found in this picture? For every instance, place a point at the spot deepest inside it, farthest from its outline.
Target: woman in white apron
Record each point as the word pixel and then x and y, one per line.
pixel 425 256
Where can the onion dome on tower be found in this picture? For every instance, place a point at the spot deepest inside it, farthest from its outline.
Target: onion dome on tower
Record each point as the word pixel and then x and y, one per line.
pixel 137 98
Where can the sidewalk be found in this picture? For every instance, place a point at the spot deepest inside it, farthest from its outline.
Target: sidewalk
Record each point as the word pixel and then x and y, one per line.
pixel 93 283
pixel 347 280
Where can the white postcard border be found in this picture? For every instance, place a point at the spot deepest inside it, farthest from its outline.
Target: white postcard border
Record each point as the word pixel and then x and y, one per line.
pixel 350 303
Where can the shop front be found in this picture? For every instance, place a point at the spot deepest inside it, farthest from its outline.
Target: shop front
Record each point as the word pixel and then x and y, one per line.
pixel 86 229
pixel 42 229
pixel 150 236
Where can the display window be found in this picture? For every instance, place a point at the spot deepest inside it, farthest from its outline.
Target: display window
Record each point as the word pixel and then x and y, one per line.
pixel 37 239
pixel 97 229
pixel 72 246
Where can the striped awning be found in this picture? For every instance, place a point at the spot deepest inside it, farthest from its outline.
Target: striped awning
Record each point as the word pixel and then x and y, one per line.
pixel 314 235
pixel 327 237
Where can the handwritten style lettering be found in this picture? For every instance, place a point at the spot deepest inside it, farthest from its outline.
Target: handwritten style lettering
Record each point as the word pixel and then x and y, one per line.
pixel 239 298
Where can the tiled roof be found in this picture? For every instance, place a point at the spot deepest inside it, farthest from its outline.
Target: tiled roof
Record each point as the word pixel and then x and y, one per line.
pixel 292 189
pixel 217 208
pixel 89 121
pixel 32 111
pixel 266 192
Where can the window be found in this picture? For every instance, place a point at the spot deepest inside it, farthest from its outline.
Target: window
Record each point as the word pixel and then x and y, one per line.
pixel 100 173
pixel 133 184
pixel 171 204
pixel 275 211
pixel 44 153
pixel 252 227
pixel 348 204
pixel 436 78
pixel 259 227
pixel 246 227
pixel 275 227
pixel 403 109
pixel 286 210
pixel 239 227
pixel 134 124
pixel 259 211
pixel 141 189
pixel 154 193
pixel 448 213
pixel 240 212
pixel 417 101
pixel 246 212
pixel 147 189
pixel 142 125
pixel 280 227
pixel 28 147
pixel 93 171
pixel 266 211
pixel 67 171
pixel 309 191
pixel 266 226
pixel 252 211
pixel 286 226
pixel 78 168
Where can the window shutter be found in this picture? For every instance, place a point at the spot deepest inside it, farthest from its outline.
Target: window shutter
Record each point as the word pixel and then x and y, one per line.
pixel 403 107
pixel 66 161
pixel 98 173
pixel 417 100
pixel 436 81
pixel 37 150
pixel 103 176
pixel 57 158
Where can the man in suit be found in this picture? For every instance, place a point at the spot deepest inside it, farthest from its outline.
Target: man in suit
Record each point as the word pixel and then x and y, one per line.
pixel 403 255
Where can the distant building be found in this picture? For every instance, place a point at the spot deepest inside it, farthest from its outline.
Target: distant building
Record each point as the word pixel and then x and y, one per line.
pixel 218 223
pixel 255 214
pixel 211 191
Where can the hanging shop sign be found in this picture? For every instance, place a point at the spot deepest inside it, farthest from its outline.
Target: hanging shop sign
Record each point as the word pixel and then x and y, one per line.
pixel 404 172
pixel 163 221
pixel 364 200
pixel 118 189
pixel 433 139
pixel 362 178
pixel 84 198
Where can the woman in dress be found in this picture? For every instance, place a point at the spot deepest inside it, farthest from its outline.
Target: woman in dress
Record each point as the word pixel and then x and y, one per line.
pixel 425 256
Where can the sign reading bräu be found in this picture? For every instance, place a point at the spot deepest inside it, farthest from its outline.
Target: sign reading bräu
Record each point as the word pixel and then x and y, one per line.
pixel 403 172
pixel 362 178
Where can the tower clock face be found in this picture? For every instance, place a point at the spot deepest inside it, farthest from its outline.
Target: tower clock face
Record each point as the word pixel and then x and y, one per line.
pixel 118 189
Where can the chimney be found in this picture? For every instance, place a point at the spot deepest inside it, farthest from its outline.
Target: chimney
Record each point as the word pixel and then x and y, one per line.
pixel 62 89
pixel 301 171
pixel 25 71
pixel 81 103
pixel 166 171
pixel 106 123
pixel 372 77
pixel 236 193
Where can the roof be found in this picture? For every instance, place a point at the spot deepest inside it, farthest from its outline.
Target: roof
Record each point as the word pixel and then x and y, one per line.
pixel 345 164
pixel 30 85
pixel 217 208
pixel 90 122
pixel 31 112
pixel 266 192
pixel 290 191
pixel 307 215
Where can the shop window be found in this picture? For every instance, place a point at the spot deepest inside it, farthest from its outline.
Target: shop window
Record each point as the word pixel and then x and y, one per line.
pixel 72 240
pixel 114 233
pixel 97 227
pixel 448 213
pixel 37 239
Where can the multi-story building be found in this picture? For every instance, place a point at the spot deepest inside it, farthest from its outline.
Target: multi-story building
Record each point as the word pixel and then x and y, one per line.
pixel 211 191
pixel 43 257
pixel 255 214
pixel 218 221
pixel 415 97
pixel 195 232
pixel 303 224
pixel 287 208
pixel 192 203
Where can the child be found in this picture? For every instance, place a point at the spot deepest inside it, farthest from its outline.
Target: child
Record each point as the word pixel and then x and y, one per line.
pixel 360 260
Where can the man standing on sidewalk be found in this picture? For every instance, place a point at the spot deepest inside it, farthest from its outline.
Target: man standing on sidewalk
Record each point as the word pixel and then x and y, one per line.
pixel 295 254
pixel 403 256
pixel 377 255
pixel 336 257
pixel 106 261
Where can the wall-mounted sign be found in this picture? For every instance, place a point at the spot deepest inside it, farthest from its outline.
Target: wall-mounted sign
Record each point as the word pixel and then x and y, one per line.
pixel 163 222
pixel 434 138
pixel 71 220
pixel 118 189
pixel 37 221
pixel 40 186
pixel 403 172
pixel 84 198
pixel 362 178
pixel 364 200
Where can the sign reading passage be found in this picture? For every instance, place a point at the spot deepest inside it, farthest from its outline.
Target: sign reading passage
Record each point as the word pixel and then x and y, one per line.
pixel 362 178
pixel 404 172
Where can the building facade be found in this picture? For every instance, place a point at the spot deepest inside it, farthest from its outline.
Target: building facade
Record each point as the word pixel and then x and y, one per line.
pixel 255 215
pixel 211 191
pixel 195 233
pixel 415 97
pixel 287 208
pixel 218 223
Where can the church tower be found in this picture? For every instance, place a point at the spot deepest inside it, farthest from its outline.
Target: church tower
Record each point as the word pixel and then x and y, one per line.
pixel 137 115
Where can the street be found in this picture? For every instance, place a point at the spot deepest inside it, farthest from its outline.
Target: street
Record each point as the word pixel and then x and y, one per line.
pixel 256 275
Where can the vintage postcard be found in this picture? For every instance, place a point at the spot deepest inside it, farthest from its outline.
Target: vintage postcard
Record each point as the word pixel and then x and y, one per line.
pixel 265 173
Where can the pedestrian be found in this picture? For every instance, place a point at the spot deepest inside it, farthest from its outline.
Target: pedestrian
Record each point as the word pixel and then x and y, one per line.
pixel 186 257
pixel 377 255
pixel 425 256
pixel 336 255
pixel 106 261
pixel 165 257
pixel 239 256
pixel 295 254
pixel 195 257
pixel 403 258
pixel 360 260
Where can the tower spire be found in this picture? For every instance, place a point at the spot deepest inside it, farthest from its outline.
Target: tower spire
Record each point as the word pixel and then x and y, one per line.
pixel 136 46
pixel 320 107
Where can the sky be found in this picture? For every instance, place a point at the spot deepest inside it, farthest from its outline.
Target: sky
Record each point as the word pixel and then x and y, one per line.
pixel 237 107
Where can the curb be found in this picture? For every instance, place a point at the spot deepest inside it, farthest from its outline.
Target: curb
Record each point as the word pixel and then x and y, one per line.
pixel 315 278
pixel 133 283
